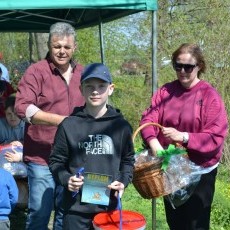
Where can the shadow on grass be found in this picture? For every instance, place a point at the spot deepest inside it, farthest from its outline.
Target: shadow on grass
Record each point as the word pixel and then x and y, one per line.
pixel 18 219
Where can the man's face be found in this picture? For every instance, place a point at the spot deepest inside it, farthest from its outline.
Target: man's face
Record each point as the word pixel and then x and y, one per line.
pixel 61 50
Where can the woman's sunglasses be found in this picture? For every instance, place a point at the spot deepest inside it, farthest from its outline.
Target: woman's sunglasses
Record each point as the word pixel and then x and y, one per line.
pixel 188 68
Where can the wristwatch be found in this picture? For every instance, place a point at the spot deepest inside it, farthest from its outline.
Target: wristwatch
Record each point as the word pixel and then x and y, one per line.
pixel 185 138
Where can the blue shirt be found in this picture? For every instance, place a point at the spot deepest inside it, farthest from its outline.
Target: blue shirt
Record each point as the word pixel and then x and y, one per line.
pixel 9 134
pixel 5 73
pixel 8 194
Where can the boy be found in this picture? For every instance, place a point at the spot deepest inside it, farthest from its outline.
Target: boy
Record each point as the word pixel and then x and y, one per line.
pixel 98 138
pixel 12 129
pixel 8 198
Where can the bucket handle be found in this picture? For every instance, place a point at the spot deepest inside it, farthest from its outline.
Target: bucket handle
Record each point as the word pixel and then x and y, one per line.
pixel 119 206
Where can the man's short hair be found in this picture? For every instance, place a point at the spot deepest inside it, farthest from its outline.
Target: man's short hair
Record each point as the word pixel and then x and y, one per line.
pixel 62 29
pixel 10 101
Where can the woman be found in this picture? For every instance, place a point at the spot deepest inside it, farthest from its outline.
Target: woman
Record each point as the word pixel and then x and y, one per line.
pixel 192 113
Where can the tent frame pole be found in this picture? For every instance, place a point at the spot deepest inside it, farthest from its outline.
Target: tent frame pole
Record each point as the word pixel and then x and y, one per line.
pixel 154 88
pixel 101 41
pixel 154 51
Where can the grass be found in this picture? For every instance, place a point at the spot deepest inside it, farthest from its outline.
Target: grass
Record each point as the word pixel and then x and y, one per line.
pixel 134 202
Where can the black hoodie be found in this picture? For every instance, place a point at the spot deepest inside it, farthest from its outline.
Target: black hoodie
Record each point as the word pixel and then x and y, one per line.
pixel 102 145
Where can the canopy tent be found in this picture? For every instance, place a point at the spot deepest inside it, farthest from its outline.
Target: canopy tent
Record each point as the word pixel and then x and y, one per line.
pixel 37 16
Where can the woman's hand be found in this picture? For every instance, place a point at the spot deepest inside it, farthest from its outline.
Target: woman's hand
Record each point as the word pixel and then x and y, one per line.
pixel 172 134
pixel 118 186
pixel 155 145
pixel 75 183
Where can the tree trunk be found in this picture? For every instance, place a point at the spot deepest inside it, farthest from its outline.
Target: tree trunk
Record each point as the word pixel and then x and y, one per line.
pixel 41 40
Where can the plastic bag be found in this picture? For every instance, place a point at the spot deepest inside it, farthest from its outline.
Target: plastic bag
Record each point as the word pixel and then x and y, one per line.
pixel 180 196
pixel 145 156
pixel 18 169
pixel 181 171
pixel 184 176
pixel 189 174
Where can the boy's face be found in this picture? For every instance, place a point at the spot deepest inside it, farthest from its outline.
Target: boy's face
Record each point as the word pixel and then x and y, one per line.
pixel 96 91
pixel 12 119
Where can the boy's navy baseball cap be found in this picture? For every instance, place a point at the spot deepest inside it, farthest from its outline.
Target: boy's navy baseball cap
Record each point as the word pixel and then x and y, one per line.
pixel 96 70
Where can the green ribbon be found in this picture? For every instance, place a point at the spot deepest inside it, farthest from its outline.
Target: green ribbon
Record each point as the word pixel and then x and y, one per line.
pixel 167 153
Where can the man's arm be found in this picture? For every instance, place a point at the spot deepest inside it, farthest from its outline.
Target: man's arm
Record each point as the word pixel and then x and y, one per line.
pixel 45 118
pixel 36 116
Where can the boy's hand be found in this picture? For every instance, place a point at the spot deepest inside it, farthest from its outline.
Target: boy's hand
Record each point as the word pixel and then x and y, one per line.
pixel 13 157
pixel 116 185
pixel 16 143
pixel 75 183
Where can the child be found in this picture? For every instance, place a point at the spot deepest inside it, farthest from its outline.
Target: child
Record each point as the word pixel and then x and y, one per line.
pixel 8 197
pixel 98 138
pixel 12 130
pixel 6 89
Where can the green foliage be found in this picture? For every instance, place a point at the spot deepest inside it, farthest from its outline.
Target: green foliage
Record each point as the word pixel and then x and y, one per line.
pixel 131 96
pixel 14 46
pixel 88 46
pixel 220 216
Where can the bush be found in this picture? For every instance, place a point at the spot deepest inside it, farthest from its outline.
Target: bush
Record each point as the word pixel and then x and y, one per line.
pixel 131 96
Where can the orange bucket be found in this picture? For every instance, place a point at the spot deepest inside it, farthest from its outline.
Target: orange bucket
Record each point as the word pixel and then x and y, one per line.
pixel 111 221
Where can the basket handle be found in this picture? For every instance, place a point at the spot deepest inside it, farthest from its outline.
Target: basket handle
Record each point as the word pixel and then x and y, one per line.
pixel 154 124
pixel 143 126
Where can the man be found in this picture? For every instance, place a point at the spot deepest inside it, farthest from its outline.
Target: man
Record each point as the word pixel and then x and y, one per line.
pixel 47 93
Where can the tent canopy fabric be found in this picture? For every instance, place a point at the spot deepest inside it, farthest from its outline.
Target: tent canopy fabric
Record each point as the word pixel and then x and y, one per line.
pixel 38 15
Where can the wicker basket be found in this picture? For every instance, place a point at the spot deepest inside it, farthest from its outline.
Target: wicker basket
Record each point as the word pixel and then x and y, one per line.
pixel 148 178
